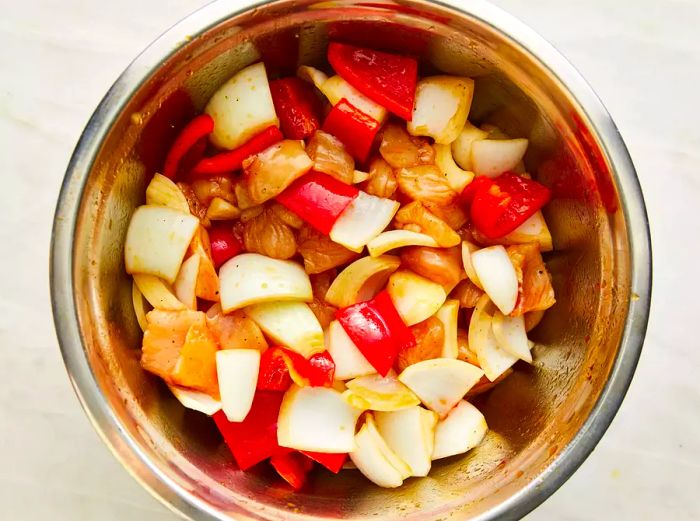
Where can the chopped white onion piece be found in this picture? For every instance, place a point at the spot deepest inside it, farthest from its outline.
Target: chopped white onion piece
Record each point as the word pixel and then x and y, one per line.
pixel 375 459
pixel 186 282
pixel 410 434
pixel 461 431
pixel 497 275
pixel 456 177
pixel 492 157
pixel 379 393
pixel 462 146
pixel 493 359
pixel 392 239
pixel 441 107
pixel 336 88
pixel 448 314
pixel 316 419
pixel 349 361
pixel 511 336
pixel 242 107
pixel 237 372
pixel 196 400
pixel 467 249
pixel 291 324
pixel 534 229
pixel 361 280
pixel 364 218
pixel 440 383
pixel 162 191
pixel 139 306
pixel 251 278
pixel 415 298
pixel 157 293
pixel 157 240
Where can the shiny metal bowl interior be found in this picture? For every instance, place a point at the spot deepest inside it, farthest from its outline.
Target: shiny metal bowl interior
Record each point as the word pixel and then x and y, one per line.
pixel 545 419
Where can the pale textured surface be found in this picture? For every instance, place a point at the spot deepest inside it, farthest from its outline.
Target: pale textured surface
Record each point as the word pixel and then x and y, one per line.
pixel 58 58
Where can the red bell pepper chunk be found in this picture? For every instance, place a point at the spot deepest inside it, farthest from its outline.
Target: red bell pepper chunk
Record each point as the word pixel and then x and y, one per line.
pixel 255 438
pixel 333 462
pixel 297 107
pixel 319 199
pixel 355 129
pixel 224 244
pixel 385 78
pixel 498 209
pixel 194 131
pixel 377 330
pixel 233 159
pixel 467 195
pixel 293 467
pixel 274 373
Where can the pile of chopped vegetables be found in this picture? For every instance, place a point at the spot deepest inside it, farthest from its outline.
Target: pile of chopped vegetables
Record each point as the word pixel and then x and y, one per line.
pixel 335 264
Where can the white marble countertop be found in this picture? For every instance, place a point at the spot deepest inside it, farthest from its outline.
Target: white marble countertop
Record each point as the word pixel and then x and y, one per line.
pixel 59 57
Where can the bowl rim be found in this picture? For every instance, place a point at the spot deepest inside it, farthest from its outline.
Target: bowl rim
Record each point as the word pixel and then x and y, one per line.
pixel 108 426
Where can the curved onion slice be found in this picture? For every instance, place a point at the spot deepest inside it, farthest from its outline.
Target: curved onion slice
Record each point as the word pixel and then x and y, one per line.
pixel 375 459
pixel 441 383
pixel 316 419
pixel 242 107
pixel 467 249
pixel 139 306
pixel 410 434
pixel 492 358
pixel 534 229
pixel 497 276
pixel 358 176
pixel 157 293
pixel 237 372
pixel 461 431
pixel 462 146
pixel 196 400
pixel 157 240
pixel 363 219
pixel 379 393
pixel 386 241
pixel 312 75
pixel 186 282
pixel 456 177
pixel 291 324
pixel 415 298
pixel 349 361
pixel 251 278
pixel 492 157
pixel 336 88
pixel 441 107
pixel 448 314
pixel 221 210
pixel 511 336
pixel 162 191
pixel 361 280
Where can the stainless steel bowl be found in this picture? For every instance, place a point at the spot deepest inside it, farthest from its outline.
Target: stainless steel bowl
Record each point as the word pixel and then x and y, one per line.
pixel 544 419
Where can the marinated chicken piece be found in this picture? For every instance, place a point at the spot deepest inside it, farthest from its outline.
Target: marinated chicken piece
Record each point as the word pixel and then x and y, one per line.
pixel 274 169
pixel 463 351
pixel 197 209
pixel 533 319
pixel 402 150
pixel 382 181
pixel 330 157
pixel 429 336
pixel 320 282
pixel 320 253
pixel 208 188
pixel 235 330
pixel 535 291
pixel 467 293
pixel 453 214
pixel 441 265
pixel 288 217
pixel 268 235
pixel 425 222
pixel 425 183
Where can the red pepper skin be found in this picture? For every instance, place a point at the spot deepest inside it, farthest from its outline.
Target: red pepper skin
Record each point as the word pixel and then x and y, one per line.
pixel 387 79
pixel 273 374
pixel 319 199
pixel 224 244
pixel 255 438
pixel 233 159
pixel 467 195
pixel 355 129
pixel 333 462
pixel 297 107
pixel 194 131
pixel 499 209
pixel 377 330
pixel 317 371
pixel 293 467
